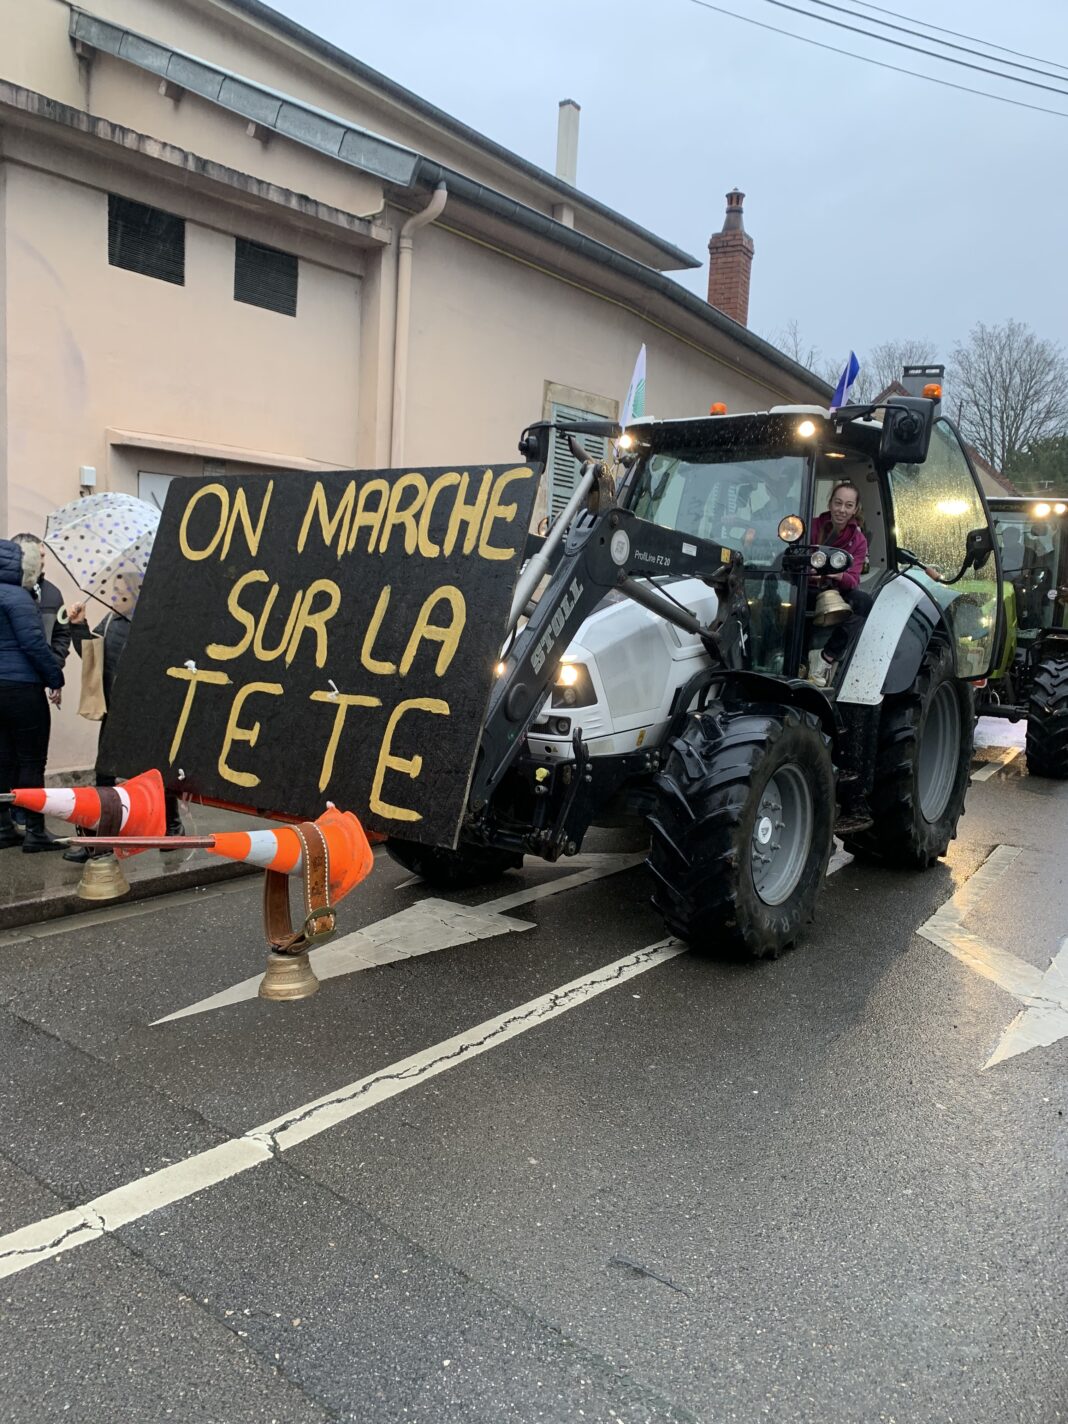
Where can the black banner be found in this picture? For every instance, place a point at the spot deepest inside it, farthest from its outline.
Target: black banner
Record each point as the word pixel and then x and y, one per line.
pixel 308 638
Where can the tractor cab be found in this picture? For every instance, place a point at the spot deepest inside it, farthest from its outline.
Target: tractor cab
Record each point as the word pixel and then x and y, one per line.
pixel 1033 538
pixel 1030 681
pixel 757 483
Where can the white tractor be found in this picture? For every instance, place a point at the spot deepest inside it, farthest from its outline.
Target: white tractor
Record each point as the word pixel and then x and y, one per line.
pixel 661 673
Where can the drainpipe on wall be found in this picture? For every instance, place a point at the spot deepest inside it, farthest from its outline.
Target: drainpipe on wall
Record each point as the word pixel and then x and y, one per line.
pixel 404 305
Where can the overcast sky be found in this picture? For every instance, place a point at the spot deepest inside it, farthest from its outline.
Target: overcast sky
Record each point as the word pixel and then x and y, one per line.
pixel 882 206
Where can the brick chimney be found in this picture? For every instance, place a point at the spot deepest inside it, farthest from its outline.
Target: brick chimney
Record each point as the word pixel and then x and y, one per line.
pixel 730 259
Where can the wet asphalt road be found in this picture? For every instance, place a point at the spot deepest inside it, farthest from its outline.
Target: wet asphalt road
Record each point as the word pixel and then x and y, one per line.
pixel 787 1191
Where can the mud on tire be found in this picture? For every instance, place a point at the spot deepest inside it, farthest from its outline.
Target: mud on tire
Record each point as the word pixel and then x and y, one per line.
pixel 458 869
pixel 1047 720
pixel 742 831
pixel 922 765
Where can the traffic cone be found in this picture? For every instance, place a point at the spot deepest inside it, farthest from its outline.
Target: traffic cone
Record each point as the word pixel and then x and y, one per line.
pixel 351 857
pixel 137 803
pixel 350 854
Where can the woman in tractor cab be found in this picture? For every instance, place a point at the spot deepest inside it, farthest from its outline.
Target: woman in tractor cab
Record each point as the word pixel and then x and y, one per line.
pixel 840 527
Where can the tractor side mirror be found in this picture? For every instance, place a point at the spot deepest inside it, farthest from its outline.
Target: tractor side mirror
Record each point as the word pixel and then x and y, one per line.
pixel 907 426
pixel 534 443
pixel 978 547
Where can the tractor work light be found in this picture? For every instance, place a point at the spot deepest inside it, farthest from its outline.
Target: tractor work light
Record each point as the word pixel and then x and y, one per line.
pixel 818 559
pixel 791 528
pixel 625 441
pixel 1059 508
pixel 573 687
pixel 1041 511
pixel 838 560
pixel 806 429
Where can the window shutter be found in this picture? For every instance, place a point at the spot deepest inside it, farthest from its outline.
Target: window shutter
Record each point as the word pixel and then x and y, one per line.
pixel 265 277
pixel 146 240
pixel 563 467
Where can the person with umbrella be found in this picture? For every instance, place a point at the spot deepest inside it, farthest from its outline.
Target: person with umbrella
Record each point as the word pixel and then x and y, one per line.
pixel 27 668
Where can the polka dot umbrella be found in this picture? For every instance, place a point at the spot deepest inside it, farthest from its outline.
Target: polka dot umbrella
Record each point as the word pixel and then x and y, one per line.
pixel 103 541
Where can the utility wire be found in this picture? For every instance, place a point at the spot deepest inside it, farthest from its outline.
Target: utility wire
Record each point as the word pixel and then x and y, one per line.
pixel 916 49
pixel 946 44
pixel 958 35
pixel 881 64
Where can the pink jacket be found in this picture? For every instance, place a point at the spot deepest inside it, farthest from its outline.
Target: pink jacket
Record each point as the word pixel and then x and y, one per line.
pixel 851 539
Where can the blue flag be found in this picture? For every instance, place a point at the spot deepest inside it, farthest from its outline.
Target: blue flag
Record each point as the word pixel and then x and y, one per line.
pixel 845 382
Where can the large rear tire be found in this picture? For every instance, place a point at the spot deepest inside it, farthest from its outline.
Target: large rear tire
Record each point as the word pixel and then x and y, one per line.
pixel 1047 720
pixel 922 765
pixel 743 830
pixel 459 869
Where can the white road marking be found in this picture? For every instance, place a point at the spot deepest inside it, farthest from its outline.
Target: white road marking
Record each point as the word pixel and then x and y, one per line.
pixel 1045 1020
pixel 1004 756
pixel 1044 993
pixel 63 1232
pixel 840 858
pixel 423 928
pixel 55 1235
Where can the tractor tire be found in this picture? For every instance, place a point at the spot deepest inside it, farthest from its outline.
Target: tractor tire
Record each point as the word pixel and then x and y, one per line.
pixel 1047 720
pixel 742 830
pixel 459 869
pixel 926 736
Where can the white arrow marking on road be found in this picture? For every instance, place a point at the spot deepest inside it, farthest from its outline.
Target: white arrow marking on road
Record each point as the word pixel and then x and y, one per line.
pixel 1044 1020
pixel 424 928
pixel 431 925
pixel 63 1232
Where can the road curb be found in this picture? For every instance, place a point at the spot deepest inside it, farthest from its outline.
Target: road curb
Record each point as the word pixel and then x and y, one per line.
pixel 37 908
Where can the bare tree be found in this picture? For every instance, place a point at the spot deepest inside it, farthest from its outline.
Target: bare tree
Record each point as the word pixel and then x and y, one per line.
pixel 1010 390
pixel 790 341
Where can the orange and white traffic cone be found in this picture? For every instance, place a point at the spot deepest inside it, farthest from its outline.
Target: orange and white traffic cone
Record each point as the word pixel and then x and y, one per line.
pixel 350 854
pixel 136 808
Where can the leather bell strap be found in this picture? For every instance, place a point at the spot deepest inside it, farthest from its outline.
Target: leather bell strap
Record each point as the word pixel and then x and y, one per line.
pixel 111 809
pixel 319 916
pixel 110 823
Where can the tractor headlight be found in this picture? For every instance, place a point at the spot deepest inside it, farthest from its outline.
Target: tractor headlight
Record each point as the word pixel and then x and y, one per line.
pixel 818 559
pixel 838 560
pixel 573 686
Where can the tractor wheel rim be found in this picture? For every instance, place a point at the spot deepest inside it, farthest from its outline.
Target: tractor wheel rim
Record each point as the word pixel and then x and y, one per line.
pixel 939 753
pixel 782 835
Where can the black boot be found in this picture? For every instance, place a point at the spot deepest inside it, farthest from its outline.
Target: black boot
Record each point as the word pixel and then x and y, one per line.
pixel 36 837
pixel 8 835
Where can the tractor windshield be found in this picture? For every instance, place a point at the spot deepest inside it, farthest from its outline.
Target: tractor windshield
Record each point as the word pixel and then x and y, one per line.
pixel 1035 561
pixel 936 505
pixel 729 498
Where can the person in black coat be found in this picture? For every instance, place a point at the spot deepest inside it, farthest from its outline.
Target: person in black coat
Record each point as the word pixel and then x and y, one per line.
pixel 49 602
pixel 28 667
